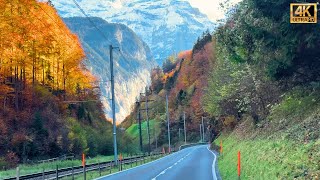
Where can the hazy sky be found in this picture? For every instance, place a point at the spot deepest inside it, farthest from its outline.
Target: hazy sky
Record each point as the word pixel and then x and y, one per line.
pixel 211 7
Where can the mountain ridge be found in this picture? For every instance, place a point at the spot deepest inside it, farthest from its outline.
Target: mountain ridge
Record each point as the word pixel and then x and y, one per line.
pixel 167 26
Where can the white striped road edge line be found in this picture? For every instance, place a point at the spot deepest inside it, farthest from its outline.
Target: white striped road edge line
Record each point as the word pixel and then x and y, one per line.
pixel 213 165
pixel 100 178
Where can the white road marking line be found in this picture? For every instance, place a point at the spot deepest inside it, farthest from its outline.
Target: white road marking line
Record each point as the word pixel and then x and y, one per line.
pixel 102 177
pixel 213 165
pixel 164 171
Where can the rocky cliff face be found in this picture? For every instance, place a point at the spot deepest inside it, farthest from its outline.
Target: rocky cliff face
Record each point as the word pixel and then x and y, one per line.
pixel 132 64
pixel 167 26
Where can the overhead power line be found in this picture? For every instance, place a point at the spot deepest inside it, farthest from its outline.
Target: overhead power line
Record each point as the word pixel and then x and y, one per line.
pixel 94 25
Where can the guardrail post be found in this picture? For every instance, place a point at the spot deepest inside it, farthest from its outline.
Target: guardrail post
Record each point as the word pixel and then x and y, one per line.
pixel 72 172
pixel 121 163
pixel 57 173
pixel 18 173
pixel 99 168
pixel 110 166
pixel 84 172
pixel 43 173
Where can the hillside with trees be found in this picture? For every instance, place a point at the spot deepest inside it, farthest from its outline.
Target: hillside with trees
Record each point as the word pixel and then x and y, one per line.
pixel 256 82
pixel 265 87
pixel 49 105
pixel 184 79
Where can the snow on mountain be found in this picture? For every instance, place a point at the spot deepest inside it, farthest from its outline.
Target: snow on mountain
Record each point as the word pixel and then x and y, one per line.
pixel 167 26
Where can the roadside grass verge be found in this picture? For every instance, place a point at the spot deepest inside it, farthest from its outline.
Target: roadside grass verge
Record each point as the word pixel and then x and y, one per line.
pixel 286 145
pixel 269 159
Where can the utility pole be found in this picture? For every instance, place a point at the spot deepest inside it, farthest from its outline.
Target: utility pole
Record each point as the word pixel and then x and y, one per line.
pixel 168 121
pixel 201 133
pixel 147 116
pixel 140 128
pixel 113 107
pixel 148 124
pixel 154 131
pixel 184 127
pixel 202 129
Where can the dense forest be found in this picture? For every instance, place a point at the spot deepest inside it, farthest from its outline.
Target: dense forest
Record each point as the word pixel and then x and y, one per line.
pixel 49 101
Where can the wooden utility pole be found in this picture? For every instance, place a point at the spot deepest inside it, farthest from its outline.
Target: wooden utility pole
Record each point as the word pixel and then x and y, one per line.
pixel 140 128
pixel 148 124
pixel 147 117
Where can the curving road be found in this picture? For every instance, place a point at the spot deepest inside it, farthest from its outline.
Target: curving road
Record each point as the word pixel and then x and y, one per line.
pixel 196 162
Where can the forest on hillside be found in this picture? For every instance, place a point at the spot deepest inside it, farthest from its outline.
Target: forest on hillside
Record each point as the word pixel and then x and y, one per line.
pixel 183 78
pixel 257 66
pixel 261 60
pixel 49 103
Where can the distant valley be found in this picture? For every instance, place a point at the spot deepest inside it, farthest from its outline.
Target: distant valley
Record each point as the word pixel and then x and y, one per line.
pixel 132 64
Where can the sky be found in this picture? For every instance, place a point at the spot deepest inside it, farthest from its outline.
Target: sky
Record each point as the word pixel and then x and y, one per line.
pixel 211 7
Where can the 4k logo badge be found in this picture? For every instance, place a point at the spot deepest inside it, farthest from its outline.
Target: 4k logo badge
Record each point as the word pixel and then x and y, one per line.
pixel 303 13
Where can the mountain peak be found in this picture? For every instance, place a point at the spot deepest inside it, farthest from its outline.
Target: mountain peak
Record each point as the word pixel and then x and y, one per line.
pixel 167 26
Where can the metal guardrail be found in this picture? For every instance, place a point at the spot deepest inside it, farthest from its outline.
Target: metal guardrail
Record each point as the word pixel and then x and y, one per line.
pixel 64 172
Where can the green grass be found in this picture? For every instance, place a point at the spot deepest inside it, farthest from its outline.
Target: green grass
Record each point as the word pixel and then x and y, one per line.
pixel 284 146
pixel 30 169
pixel 133 130
pixel 269 159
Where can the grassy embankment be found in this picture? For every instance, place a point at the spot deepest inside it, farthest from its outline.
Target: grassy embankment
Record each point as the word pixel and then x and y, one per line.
pixel 133 131
pixel 285 146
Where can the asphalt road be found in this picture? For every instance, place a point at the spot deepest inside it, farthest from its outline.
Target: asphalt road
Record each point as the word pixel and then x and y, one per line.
pixel 196 162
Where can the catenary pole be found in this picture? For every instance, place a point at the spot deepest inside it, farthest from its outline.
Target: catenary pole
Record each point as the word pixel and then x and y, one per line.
pixel 148 124
pixel 202 130
pixel 184 128
pixel 113 107
pixel 140 128
pixel 168 122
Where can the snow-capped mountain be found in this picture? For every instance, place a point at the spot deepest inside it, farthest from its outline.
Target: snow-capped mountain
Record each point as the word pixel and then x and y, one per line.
pixel 167 26
pixel 132 64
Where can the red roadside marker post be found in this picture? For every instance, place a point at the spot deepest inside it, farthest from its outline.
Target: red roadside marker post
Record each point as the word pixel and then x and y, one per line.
pixel 221 147
pixel 239 165
pixel 83 160
pixel 84 166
